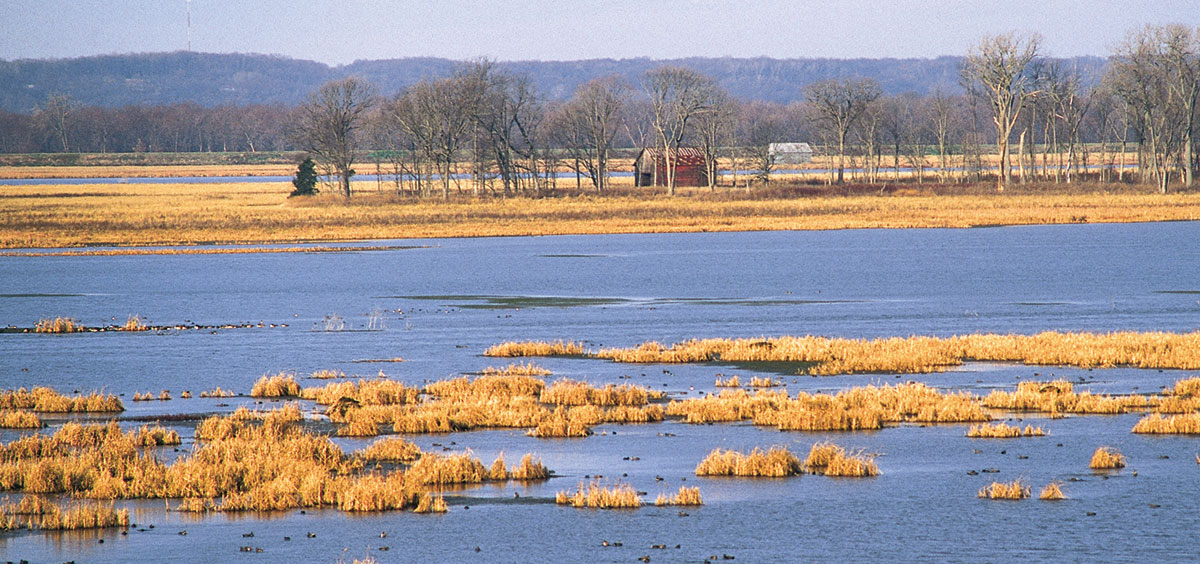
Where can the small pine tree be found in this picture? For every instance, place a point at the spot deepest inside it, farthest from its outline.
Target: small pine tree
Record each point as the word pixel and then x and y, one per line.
pixel 306 179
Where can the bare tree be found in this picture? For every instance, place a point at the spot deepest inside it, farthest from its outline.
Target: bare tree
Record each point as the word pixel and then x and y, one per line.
pixel 587 124
pixel 945 118
pixel 714 130
pixel 330 122
pixel 1154 71
pixel 837 105
pixel 437 116
pixel 55 116
pixel 1002 70
pixel 677 95
pixel 759 125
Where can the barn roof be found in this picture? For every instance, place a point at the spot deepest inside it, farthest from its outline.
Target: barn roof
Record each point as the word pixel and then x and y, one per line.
pixel 683 155
pixel 776 148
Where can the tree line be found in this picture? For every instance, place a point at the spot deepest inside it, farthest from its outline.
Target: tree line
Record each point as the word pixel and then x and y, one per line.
pixel 488 129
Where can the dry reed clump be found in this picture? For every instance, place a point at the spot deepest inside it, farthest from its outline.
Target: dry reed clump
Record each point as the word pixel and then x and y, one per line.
pixel 596 496
pixel 134 323
pixel 1187 388
pixel 527 369
pixel 359 427
pixel 327 374
pixel 1107 458
pixel 1052 492
pixel 391 449
pixel 1155 424
pixel 46 400
pixel 832 460
pixel 730 382
pixel 560 424
pixel 36 512
pixel 488 386
pixel 1006 490
pixel 685 496
pixel 430 503
pixel 156 436
pixel 217 393
pixel 276 386
pixel 774 463
pixel 859 408
pixel 1060 397
pixel 535 348
pixel 1003 431
pixel 852 466
pixel 572 392
pixel 19 419
pixel 363 392
pixel 58 325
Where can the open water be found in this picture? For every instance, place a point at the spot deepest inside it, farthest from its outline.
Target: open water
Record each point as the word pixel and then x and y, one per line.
pixel 445 301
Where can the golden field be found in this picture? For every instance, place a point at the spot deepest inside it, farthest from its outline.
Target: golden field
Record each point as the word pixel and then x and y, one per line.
pixel 190 214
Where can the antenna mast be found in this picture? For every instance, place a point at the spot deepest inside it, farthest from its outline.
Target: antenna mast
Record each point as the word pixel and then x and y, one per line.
pixel 189 25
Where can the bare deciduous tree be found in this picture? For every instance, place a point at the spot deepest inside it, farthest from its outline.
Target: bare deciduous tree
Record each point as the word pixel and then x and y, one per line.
pixel 587 124
pixel 677 95
pixel 330 122
pixel 55 117
pixel 1157 71
pixel 1002 70
pixel 836 105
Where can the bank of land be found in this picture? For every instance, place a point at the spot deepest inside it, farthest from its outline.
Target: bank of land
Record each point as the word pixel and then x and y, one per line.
pixel 66 215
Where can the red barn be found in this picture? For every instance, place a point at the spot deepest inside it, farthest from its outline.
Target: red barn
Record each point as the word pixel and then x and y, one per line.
pixel 650 168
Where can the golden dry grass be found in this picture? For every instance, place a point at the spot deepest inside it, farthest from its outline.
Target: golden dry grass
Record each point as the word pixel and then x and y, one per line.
pixel 46 400
pixel 774 463
pixel 852 466
pixel 1016 489
pixel 134 323
pixel 527 369
pixel 248 461
pixel 430 503
pixel 276 386
pixel 19 419
pixel 363 392
pixel 1052 492
pixel 560 425
pixel 217 393
pixel 391 449
pixel 832 460
pixel 1003 431
pixel 858 408
pixel 919 354
pixel 534 348
pixel 571 392
pixel 58 325
pixel 153 214
pixel 327 374
pixel 1155 424
pixel 596 496
pixel 1107 458
pixel 156 436
pixel 37 512
pixel 685 496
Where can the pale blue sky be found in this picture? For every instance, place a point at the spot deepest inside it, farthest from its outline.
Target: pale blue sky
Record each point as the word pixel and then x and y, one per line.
pixel 341 31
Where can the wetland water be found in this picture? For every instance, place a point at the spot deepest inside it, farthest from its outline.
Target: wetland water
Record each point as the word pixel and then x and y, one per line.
pixel 443 304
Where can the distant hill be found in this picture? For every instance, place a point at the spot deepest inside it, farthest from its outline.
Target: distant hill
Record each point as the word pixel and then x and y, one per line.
pixel 210 79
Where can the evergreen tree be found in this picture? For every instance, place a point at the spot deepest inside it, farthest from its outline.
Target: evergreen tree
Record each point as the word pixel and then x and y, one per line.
pixel 306 179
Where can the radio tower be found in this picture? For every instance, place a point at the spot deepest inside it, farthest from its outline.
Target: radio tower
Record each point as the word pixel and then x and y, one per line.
pixel 189 25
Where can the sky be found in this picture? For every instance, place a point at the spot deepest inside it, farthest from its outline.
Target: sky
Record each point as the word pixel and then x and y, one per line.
pixel 342 31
